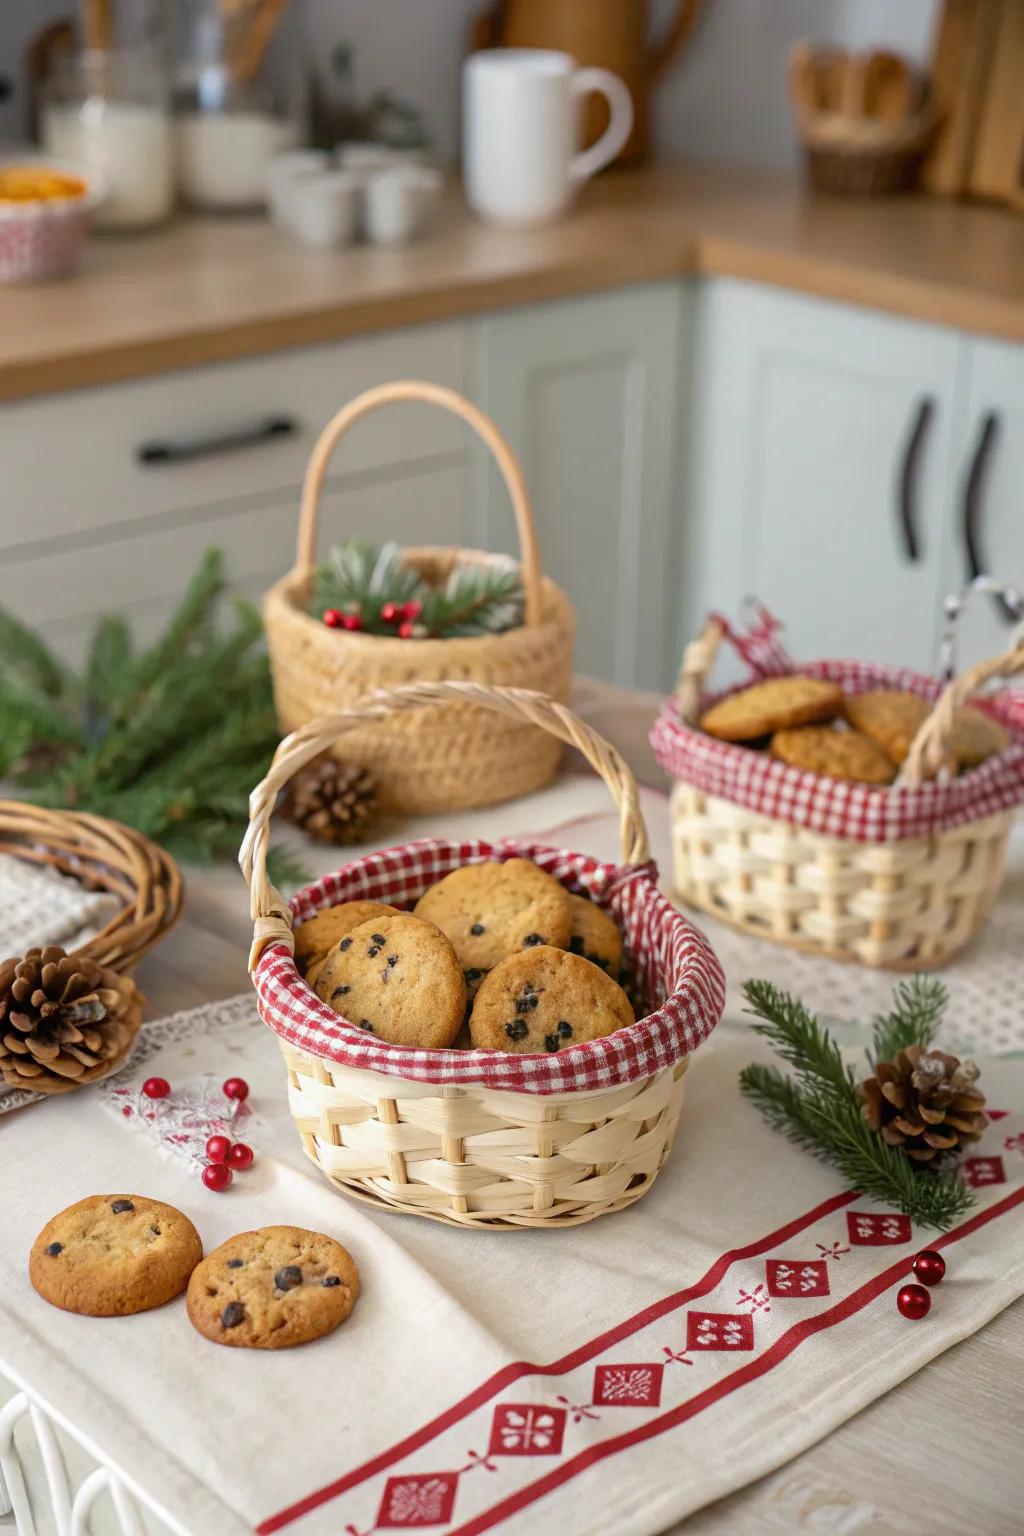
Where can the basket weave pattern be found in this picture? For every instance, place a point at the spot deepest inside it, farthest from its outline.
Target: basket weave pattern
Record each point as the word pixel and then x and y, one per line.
pixel 446 758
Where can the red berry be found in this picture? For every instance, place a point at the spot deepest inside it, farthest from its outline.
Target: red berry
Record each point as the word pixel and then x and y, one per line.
pixel 241 1156
pixel 390 613
pixel 412 609
pixel 217 1176
pixel 405 629
pixel 332 618
pixel 929 1267
pixel 236 1088
pixel 217 1148
pixel 156 1087
pixel 351 621
pixel 913 1301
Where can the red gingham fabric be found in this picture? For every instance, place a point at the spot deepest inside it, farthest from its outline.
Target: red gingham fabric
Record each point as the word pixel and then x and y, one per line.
pixel 675 970
pixel 856 811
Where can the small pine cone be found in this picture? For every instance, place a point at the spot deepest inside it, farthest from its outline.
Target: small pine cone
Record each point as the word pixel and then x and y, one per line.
pixel 332 801
pixel 64 1020
pixel 925 1102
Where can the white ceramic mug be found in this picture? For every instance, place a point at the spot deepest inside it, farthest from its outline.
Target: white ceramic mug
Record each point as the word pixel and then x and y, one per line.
pixel 521 130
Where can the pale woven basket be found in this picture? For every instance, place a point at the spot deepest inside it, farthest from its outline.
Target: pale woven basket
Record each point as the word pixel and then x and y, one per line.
pixel 907 904
pixel 438 759
pixel 432 1143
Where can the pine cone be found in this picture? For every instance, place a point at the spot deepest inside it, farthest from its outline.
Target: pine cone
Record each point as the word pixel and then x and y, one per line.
pixel 64 1020
pixel 332 801
pixel 925 1102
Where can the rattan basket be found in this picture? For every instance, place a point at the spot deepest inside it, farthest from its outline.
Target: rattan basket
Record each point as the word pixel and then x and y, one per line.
pixel 437 1133
pixel 896 902
pixel 439 759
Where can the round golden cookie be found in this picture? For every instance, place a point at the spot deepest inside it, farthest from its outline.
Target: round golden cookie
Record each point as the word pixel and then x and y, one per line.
pixel 889 717
pixel 114 1255
pixel 977 737
pixel 836 754
pixel 595 935
pixel 319 934
pixel 775 705
pixel 491 910
pixel 272 1289
pixel 398 977
pixel 545 999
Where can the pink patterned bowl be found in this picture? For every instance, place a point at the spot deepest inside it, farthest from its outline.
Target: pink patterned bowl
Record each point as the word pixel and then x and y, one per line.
pixel 43 239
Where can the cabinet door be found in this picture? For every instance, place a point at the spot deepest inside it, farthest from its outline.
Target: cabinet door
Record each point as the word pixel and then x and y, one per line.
pixel 584 391
pixel 986 528
pixel 820 458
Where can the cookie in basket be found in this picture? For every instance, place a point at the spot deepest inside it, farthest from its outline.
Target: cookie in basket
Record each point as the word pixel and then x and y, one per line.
pixel 272 1289
pixel 977 737
pixel 491 910
pixel 889 717
pixel 774 705
pixel 545 999
pixel 318 934
pixel 398 977
pixel 836 754
pixel 595 935
pixel 114 1255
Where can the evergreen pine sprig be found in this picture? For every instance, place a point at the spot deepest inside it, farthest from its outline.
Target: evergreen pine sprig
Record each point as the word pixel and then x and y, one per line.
pixel 475 600
pixel 914 1018
pixel 366 579
pixel 819 1109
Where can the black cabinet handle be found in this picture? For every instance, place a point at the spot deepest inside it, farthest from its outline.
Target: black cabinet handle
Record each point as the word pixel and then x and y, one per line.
pixel 165 450
pixel 907 498
pixel 974 490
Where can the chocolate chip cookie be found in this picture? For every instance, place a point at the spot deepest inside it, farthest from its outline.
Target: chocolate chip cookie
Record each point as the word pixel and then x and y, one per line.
pixel 595 935
pixel 318 935
pixel 398 977
pixel 545 999
pixel 490 911
pixel 114 1255
pixel 272 1289
pixel 775 705
pixel 836 754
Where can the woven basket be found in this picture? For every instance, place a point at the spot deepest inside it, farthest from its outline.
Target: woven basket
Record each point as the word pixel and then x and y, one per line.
pixel 104 856
pixel 438 759
pixel 485 1139
pixel 881 898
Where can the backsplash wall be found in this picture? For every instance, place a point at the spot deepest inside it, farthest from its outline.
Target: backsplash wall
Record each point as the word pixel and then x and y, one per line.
pixel 725 99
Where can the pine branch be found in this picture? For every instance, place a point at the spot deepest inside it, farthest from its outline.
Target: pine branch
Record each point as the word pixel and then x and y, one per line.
pixel 188 624
pixel 475 600
pixel 28 659
pixel 797 1037
pixel 107 669
pixel 914 1018
pixel 363 577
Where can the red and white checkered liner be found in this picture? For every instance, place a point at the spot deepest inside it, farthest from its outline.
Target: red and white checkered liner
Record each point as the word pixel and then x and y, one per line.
pixel 675 969
pixel 841 809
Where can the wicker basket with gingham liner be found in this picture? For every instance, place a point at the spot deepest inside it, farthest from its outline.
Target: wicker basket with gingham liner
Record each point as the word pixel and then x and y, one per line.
pixel 485 1138
pixel 900 877
pixel 438 759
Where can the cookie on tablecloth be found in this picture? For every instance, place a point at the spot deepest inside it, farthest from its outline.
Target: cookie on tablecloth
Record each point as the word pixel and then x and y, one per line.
pixel 317 936
pixel 544 999
pixel 114 1255
pixel 398 977
pixel 595 935
pixel 272 1289
pixel 836 754
pixel 774 705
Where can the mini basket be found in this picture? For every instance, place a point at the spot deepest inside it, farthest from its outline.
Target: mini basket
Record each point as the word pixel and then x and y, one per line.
pixel 447 758
pixel 900 877
pixel 485 1139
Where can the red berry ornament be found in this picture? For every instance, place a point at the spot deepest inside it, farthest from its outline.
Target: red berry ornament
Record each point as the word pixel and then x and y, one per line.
pixel 405 629
pixel 391 613
pixel 240 1156
pixel 156 1087
pixel 929 1267
pixel 913 1301
pixel 217 1149
pixel 351 621
pixel 236 1088
pixel 412 609
pixel 218 1177
pixel 332 618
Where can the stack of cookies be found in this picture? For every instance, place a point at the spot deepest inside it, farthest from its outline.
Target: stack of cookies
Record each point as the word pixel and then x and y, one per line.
pixel 864 737
pixel 500 947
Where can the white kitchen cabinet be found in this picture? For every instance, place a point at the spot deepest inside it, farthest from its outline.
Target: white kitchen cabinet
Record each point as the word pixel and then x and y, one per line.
pixel 821 448
pixel 585 391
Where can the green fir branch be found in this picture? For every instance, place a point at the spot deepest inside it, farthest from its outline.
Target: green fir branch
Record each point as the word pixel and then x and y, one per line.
pixel 475 600
pixel 796 1036
pixel 27 659
pixel 914 1018
pixel 363 578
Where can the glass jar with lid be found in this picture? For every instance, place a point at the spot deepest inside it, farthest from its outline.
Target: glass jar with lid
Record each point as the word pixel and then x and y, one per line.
pixel 238 99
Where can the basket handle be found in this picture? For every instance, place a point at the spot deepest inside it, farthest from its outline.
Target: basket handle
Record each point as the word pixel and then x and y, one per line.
pixel 269 910
pixel 698 659
pixel 483 426
pixel 931 745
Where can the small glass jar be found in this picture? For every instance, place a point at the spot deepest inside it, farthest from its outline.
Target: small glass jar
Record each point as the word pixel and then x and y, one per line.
pixel 236 104
pixel 109 112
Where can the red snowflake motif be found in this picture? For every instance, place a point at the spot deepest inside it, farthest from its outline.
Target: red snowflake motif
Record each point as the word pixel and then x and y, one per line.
pixel 980 1171
pixel 419 1499
pixel 719 1330
pixel 832 1252
pixel 756 1300
pixel 1014 1143
pixel 628 1386
pixel 797 1277
pixel 524 1429
pixel 868 1229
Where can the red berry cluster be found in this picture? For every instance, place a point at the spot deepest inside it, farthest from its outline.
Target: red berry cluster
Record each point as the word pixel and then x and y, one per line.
pixel 913 1300
pixel 402 615
pixel 335 619
pixel 224 1154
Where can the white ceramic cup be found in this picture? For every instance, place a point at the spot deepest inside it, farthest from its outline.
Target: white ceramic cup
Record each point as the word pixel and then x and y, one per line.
pixel 323 208
pixel 521 131
pixel 282 173
pixel 399 202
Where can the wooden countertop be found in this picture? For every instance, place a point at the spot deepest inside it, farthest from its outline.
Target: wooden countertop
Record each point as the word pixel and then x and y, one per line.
pixel 205 290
